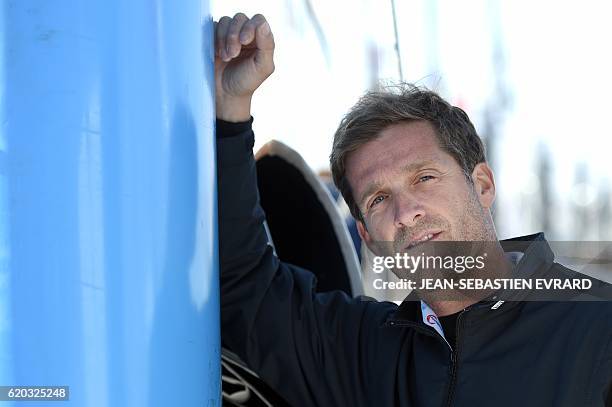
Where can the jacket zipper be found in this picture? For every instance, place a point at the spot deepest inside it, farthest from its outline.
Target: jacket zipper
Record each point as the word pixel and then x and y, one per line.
pixel 454 362
pixel 454 352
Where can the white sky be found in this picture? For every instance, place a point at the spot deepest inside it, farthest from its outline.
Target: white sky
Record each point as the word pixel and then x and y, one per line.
pixel 557 67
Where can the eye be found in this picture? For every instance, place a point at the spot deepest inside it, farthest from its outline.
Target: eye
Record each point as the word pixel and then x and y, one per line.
pixel 425 178
pixel 378 199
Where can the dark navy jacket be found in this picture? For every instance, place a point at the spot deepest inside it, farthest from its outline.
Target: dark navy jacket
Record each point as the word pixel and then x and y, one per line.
pixel 327 349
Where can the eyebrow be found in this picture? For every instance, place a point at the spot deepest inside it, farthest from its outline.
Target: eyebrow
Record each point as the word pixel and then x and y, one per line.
pixel 409 168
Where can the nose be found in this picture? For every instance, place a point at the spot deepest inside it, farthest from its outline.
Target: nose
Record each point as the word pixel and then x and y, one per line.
pixel 408 210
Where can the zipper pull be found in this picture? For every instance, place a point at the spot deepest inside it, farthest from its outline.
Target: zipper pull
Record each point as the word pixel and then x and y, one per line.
pixel 497 305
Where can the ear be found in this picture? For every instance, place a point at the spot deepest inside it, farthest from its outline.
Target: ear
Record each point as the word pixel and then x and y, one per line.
pixel 367 238
pixel 363 232
pixel 484 184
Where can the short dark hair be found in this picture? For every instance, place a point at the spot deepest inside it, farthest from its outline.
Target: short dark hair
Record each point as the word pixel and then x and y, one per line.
pixel 397 103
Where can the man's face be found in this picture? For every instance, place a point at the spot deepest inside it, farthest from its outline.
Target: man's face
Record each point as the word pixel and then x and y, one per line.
pixel 409 190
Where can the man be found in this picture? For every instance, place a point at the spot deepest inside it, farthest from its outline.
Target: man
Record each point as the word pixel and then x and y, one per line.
pixel 412 169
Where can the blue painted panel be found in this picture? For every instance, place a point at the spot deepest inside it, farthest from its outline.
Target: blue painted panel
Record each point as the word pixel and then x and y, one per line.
pixel 108 253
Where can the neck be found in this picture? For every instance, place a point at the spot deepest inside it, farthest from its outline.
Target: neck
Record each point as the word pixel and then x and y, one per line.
pixel 453 301
pixel 444 308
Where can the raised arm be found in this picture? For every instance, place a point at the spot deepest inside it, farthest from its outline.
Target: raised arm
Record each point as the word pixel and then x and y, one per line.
pixel 244 58
pixel 311 348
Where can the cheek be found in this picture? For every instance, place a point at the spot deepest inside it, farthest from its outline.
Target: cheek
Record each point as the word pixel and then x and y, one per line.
pixel 469 219
pixel 449 209
pixel 380 226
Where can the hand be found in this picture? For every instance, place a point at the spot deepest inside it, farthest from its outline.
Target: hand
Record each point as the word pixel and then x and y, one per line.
pixel 244 58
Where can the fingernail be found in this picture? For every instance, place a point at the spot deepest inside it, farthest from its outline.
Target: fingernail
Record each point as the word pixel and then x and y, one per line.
pixel 243 38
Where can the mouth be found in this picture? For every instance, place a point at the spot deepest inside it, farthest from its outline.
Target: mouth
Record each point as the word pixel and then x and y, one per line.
pixel 422 238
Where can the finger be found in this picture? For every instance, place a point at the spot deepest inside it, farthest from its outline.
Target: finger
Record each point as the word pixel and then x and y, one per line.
pixel 232 43
pixel 247 34
pixel 264 42
pixel 263 34
pixel 220 36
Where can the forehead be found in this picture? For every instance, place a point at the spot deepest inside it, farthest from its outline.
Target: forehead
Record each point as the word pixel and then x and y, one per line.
pixel 396 147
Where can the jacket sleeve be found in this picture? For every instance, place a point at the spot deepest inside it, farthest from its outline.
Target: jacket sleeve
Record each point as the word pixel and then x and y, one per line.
pixel 314 349
pixel 602 379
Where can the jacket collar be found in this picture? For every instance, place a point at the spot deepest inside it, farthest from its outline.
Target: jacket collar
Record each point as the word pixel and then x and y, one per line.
pixel 537 257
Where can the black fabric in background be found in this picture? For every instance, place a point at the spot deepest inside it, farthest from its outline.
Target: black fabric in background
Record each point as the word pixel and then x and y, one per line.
pixel 301 229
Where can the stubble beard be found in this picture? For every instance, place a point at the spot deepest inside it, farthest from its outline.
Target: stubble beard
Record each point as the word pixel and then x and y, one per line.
pixel 473 236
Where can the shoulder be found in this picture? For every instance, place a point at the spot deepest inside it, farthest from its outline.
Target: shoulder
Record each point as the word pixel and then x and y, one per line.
pixel 598 290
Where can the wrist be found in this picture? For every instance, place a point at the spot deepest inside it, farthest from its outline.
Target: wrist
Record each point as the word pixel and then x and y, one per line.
pixel 233 109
